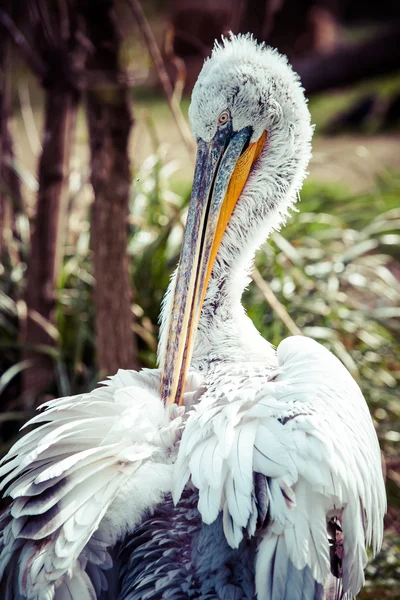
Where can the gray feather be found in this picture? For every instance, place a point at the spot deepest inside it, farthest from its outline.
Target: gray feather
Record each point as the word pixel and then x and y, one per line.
pixel 173 555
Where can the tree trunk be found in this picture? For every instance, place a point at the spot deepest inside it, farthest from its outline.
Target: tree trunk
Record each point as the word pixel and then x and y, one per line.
pixel 4 136
pixel 196 24
pixel 56 31
pixel 110 121
pixel 351 63
pixel 47 238
pixel 11 204
pixel 10 190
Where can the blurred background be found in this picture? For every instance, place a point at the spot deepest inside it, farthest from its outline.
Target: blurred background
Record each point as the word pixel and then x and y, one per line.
pixel 96 164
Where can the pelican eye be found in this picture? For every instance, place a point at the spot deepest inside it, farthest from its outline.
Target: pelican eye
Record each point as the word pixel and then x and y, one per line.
pixel 224 117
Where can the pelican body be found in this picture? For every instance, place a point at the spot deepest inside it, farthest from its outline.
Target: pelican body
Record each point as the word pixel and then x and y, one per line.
pixel 235 471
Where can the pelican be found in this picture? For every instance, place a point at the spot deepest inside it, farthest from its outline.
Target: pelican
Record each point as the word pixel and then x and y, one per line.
pixel 235 471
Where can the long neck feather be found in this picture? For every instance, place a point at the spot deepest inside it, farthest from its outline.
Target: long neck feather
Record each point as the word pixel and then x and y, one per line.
pixel 225 332
pixel 272 188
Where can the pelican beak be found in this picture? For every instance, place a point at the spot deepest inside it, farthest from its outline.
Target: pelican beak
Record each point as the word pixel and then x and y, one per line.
pixel 222 169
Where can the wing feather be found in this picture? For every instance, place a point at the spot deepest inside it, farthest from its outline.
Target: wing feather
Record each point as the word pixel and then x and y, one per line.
pixel 306 428
pixel 65 476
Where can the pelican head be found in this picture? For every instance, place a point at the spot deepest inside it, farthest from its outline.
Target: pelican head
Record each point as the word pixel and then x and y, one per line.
pixel 250 118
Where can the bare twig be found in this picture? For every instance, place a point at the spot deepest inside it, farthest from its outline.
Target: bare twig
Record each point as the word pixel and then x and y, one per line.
pixel 35 63
pixel 274 303
pixel 163 75
pixel 28 118
pixel 48 25
pixel 146 335
pixel 202 48
pixel 178 63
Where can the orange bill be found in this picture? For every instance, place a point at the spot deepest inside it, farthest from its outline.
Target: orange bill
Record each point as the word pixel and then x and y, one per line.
pixel 222 169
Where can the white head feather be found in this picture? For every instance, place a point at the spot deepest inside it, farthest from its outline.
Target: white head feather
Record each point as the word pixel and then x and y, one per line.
pixel 260 89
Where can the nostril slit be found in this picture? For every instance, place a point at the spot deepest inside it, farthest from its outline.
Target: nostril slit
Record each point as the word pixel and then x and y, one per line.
pixel 247 144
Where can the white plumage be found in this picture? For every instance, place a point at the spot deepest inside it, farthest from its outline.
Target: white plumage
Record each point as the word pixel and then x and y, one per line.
pixel 73 477
pixel 280 443
pixel 294 424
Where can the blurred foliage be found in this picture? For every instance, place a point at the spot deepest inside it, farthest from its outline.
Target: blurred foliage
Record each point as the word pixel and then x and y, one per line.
pixel 335 267
pixel 325 106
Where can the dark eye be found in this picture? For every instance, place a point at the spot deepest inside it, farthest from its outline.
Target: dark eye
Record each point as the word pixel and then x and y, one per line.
pixel 224 117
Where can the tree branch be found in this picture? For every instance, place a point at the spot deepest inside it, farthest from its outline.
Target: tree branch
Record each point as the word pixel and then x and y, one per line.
pixel 274 303
pixel 32 59
pixel 351 63
pixel 163 75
